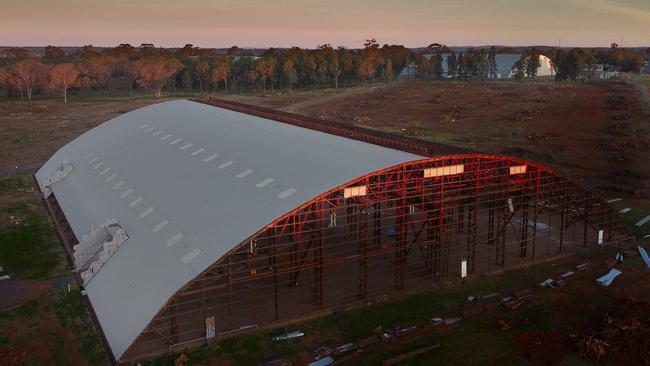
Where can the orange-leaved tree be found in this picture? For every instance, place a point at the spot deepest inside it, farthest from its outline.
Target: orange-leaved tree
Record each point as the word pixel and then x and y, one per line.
pixel 29 73
pixel 220 73
pixel 153 72
pixel 62 77
pixel 97 67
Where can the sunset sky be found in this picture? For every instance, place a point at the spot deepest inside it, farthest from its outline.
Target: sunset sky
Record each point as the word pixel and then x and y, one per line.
pixel 306 23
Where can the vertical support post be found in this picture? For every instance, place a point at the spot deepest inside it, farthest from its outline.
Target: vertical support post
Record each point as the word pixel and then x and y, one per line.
pixel 586 220
pixel 363 252
pixel 376 222
pixel 535 209
pixel 472 217
pixel 523 240
pixel 318 254
pixel 274 264
pixel 563 215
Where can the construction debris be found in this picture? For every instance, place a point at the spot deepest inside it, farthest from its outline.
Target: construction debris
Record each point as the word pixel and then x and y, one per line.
pixel 567 274
pixel 400 331
pixel 523 294
pixel 581 267
pixel 547 283
pixel 435 321
pixel 643 221
pixel 607 279
pixel 624 331
pixel 452 320
pixel 347 347
pixel 323 362
pixel 322 352
pixel 278 362
pixel 3 274
pixel 386 336
pixel 288 335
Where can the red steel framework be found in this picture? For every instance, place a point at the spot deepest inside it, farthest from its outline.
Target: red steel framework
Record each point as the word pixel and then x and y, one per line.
pixel 404 228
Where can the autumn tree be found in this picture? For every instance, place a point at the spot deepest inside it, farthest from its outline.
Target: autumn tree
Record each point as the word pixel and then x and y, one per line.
pixel 264 69
pixel 29 72
pixel 97 67
pixel 220 73
pixel 155 71
pixel 202 73
pixel 53 54
pixel 4 77
pixel 62 76
pixel 289 73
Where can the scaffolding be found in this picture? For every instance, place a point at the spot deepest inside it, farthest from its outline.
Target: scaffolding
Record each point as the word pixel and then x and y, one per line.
pixel 405 228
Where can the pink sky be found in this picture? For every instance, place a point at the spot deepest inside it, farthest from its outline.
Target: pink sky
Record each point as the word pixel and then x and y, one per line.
pixel 307 23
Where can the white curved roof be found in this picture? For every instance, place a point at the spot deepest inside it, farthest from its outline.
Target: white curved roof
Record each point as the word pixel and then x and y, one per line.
pixel 188 182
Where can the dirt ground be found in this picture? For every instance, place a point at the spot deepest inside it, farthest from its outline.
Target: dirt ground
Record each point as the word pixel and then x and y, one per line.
pixel 32 132
pixel 592 132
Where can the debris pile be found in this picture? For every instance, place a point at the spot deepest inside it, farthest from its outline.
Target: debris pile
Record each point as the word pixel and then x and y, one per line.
pixel 452 115
pixel 624 332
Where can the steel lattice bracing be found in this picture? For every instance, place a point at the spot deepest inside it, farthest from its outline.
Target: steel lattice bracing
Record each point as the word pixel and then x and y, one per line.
pixel 399 229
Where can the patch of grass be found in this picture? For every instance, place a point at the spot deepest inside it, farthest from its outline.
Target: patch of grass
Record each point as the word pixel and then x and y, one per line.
pixel 71 312
pixel 3 339
pixel 11 184
pixel 639 210
pixel 29 249
pixel 28 309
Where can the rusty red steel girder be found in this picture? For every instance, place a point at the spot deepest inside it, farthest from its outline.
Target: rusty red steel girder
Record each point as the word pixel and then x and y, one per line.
pixel 393 141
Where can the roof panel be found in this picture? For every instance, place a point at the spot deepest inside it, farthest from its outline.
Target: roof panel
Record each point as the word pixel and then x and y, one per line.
pixel 195 181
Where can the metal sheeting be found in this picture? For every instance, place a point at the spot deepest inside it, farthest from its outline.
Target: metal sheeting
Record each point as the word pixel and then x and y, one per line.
pixel 189 194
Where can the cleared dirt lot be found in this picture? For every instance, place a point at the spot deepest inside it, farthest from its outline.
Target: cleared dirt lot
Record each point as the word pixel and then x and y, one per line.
pixel 594 132
pixel 32 132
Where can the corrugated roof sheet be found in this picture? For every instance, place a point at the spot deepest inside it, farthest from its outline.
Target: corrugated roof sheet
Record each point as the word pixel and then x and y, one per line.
pixel 189 182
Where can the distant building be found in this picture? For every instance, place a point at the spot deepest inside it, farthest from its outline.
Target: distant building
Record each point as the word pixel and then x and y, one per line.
pixel 505 62
pixel 646 67
pixel 602 71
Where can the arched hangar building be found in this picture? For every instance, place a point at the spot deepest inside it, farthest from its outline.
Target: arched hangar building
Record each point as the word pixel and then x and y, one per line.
pixel 187 222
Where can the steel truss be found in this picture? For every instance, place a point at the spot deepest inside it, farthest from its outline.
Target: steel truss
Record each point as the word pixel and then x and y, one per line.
pixel 406 232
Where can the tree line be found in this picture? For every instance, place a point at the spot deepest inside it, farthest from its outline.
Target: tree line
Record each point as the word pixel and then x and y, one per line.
pixel 126 68
pixel 480 64
pixel 190 68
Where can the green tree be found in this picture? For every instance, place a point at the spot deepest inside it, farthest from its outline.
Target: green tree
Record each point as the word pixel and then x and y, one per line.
pixel 452 64
pixel 388 70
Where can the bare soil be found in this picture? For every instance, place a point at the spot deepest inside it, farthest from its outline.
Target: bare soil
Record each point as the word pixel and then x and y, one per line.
pixel 597 133
pixel 33 131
